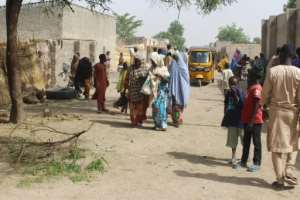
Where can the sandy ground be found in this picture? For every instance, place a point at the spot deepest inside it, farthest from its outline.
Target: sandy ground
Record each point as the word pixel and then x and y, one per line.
pixel 189 163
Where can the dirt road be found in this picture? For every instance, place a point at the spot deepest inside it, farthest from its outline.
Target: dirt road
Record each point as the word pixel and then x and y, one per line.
pixel 189 163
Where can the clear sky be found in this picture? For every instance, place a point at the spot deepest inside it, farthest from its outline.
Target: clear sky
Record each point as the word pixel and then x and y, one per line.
pixel 199 29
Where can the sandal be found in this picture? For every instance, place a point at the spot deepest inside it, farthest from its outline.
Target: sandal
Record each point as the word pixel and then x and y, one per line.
pixel 281 187
pixel 291 180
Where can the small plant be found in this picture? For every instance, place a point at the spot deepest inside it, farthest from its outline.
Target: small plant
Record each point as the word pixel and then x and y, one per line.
pixel 79 177
pixel 66 166
pixel 76 154
pixel 96 165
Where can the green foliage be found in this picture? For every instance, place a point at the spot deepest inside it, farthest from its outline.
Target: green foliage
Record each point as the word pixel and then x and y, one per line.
pixel 127 26
pixel 174 35
pixel 290 4
pixel 96 166
pixel 232 33
pixel 204 6
pixel 93 4
pixel 64 166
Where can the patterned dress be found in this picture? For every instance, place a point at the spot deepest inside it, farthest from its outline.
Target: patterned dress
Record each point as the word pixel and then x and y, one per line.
pixel 159 106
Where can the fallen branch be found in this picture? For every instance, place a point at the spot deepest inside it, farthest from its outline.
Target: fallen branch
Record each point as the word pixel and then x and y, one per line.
pixel 55 143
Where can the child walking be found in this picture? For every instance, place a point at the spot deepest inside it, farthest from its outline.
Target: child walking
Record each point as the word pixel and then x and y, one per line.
pixel 234 101
pixel 252 117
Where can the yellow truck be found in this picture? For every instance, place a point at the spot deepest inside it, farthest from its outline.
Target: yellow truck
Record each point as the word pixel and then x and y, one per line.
pixel 202 65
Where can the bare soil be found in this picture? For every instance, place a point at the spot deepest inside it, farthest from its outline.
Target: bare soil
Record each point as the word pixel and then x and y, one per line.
pixel 186 163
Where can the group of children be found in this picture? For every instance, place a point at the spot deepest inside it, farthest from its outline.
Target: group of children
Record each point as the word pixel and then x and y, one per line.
pixel 243 117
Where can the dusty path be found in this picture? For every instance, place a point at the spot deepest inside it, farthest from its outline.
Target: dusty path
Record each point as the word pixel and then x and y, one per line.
pixel 189 163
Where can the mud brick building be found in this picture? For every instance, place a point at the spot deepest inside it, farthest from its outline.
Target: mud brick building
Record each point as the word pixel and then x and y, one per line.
pixel 62 32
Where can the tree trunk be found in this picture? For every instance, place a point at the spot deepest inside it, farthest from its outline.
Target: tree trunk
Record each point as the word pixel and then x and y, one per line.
pixel 13 69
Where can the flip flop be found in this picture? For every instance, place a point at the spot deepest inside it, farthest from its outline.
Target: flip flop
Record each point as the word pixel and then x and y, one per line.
pixel 281 187
pixel 291 180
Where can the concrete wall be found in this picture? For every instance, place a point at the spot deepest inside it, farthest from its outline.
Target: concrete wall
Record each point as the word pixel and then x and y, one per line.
pixel 298 28
pixel 90 26
pixel 280 30
pixel 229 48
pixel 65 32
pixel 35 22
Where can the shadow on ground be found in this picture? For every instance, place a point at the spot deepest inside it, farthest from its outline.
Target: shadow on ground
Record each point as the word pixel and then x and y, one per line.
pixel 196 159
pixel 120 124
pixel 246 181
pixel 203 125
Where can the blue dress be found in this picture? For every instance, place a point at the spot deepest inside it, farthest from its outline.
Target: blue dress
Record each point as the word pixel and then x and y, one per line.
pixel 159 106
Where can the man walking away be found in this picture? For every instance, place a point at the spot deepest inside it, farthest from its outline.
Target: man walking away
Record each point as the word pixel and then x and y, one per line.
pixel 281 93
pixel 101 83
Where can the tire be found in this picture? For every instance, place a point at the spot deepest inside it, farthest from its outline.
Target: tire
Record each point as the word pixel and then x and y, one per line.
pixel 61 94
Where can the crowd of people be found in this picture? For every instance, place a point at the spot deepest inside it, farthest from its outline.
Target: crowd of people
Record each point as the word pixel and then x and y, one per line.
pixel 162 84
pixel 256 91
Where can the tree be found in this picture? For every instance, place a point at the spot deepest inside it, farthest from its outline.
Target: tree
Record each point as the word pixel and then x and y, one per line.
pixel 257 40
pixel 127 26
pixel 174 35
pixel 204 6
pixel 13 8
pixel 290 4
pixel 232 33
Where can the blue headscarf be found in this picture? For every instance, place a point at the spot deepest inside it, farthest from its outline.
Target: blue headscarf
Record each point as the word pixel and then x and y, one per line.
pixel 179 88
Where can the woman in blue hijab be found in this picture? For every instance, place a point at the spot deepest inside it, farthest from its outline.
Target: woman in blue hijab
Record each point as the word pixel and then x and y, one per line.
pixel 179 88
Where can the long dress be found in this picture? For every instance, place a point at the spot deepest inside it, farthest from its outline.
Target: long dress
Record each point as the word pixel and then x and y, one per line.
pixel 281 92
pixel 159 106
pixel 138 102
pixel 101 85
pixel 179 89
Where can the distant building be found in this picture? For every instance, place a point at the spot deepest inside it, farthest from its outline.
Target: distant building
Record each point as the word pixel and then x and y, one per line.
pixel 229 49
pixel 145 45
pixel 63 32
